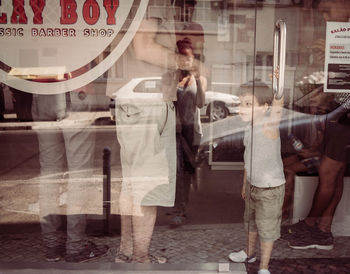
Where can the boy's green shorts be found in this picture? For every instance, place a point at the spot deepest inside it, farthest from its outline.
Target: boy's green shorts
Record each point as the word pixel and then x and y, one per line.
pixel 263 211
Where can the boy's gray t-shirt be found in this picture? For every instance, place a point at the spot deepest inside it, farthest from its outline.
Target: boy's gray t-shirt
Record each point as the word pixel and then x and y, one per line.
pixel 262 158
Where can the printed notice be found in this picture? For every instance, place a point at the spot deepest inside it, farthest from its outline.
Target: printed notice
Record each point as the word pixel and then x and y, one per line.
pixel 337 57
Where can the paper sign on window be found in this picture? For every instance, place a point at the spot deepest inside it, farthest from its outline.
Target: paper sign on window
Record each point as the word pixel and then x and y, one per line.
pixel 337 57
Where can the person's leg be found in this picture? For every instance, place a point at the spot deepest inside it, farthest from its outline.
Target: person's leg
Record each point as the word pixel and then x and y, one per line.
pixel 142 233
pixel 291 165
pixel 250 220
pixel 177 217
pixel 126 205
pixel 126 240
pixel 52 162
pixel 265 250
pixel 325 222
pixel 52 158
pixel 80 146
pixel 326 198
pixel 289 173
pixel 268 219
pixel 248 254
pixel 180 175
pixel 188 181
pixel 328 173
pixel 251 245
pixel 2 102
pixel 126 213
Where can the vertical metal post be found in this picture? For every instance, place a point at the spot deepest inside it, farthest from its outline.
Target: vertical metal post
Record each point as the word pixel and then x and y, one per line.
pixel 279 58
pixel 106 190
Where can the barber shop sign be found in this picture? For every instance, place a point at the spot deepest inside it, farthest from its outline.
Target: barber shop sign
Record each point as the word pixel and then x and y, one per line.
pixel 54 46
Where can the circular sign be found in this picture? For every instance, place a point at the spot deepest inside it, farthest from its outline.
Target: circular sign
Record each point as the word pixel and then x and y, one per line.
pixel 51 47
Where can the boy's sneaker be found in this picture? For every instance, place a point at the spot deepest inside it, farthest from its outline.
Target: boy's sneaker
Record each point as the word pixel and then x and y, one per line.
pixel 263 271
pixel 90 252
pixel 318 239
pixel 241 257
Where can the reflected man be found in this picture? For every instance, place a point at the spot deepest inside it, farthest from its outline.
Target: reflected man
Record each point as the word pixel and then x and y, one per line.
pixel 66 149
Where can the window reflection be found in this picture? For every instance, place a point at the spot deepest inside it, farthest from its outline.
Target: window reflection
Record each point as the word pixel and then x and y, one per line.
pixel 177 160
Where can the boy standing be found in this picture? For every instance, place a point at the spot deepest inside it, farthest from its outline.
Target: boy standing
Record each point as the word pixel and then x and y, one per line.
pixel 263 182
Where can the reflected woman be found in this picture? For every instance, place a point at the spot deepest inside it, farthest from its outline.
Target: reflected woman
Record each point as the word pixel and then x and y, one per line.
pixel 190 88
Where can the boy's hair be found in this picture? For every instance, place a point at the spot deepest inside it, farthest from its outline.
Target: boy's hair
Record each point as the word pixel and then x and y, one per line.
pixel 260 90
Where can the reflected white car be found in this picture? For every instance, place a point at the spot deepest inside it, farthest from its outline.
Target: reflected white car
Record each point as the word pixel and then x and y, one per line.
pixel 217 106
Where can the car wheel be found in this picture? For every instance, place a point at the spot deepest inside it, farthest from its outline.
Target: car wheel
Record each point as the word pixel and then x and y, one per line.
pixel 217 111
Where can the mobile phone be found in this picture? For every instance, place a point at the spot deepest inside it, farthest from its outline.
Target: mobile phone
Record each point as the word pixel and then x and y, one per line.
pixel 184 73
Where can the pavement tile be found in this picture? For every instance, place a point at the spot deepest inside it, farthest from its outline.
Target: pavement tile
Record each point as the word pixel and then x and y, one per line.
pixel 196 245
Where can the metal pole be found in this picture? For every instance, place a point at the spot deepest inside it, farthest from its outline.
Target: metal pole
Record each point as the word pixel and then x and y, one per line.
pixel 106 190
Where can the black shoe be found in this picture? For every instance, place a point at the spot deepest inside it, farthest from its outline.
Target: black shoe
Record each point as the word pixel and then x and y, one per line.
pixel 52 256
pixel 90 252
pixel 319 239
pixel 297 230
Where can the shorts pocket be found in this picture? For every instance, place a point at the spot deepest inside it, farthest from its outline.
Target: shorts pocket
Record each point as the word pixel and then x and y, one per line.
pixel 138 130
pixel 127 114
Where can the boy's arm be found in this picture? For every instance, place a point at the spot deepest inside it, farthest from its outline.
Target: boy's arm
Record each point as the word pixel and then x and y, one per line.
pixel 276 111
pixel 271 127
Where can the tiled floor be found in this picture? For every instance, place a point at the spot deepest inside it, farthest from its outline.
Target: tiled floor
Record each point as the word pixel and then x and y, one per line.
pixel 191 245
